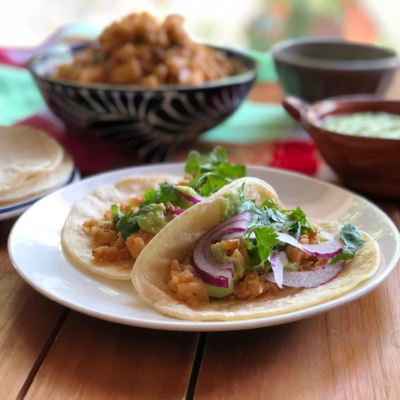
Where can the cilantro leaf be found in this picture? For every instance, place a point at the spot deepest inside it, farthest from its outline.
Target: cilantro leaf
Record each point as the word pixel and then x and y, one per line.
pixel 148 196
pixel 199 163
pixel 166 192
pixel 352 240
pixel 262 246
pixel 231 171
pixel 212 171
pixel 127 225
pixel 269 203
pixel 208 183
pixel 116 213
pixel 299 216
pixel 245 204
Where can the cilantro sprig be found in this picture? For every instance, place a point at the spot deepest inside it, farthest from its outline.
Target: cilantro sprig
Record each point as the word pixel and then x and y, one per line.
pixel 352 240
pixel 212 171
pixel 261 246
pixel 128 223
pixel 293 222
pixel 267 219
pixel 166 192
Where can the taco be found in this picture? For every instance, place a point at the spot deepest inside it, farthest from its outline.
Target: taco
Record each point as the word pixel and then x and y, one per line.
pixel 107 230
pixel 240 254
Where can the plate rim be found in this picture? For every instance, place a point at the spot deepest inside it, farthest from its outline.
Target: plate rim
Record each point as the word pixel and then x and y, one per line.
pixel 209 326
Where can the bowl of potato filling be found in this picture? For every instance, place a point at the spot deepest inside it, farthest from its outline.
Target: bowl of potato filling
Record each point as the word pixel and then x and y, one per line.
pixel 144 84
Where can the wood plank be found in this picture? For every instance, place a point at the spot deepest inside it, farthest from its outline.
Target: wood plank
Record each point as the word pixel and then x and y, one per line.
pixel 352 352
pixel 27 320
pixel 5 228
pixel 94 359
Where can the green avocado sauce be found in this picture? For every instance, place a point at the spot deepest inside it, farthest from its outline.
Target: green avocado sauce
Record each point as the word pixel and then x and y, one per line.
pixel 229 205
pixel 154 220
pixel 366 124
pixel 183 203
pixel 220 255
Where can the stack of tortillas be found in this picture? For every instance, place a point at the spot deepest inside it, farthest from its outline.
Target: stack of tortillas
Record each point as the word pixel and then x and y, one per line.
pixel 31 163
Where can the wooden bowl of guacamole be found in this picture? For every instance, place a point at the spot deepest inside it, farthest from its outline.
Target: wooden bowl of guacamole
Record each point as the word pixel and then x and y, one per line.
pixel 359 138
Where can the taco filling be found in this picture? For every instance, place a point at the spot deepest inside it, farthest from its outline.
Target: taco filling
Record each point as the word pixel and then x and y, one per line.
pixel 126 229
pixel 260 250
pixel 116 234
pixel 240 254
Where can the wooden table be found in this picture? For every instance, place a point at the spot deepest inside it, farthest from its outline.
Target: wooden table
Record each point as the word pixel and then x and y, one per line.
pixel 50 352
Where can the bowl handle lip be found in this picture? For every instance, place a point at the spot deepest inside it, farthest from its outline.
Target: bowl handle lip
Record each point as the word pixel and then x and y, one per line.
pixel 297 109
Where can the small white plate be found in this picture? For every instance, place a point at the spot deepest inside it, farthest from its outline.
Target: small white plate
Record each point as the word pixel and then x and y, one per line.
pixel 35 250
pixel 17 208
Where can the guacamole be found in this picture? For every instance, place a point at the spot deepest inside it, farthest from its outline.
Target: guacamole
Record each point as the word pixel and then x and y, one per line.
pixel 183 203
pixel 220 255
pixel 367 124
pixel 230 204
pixel 154 220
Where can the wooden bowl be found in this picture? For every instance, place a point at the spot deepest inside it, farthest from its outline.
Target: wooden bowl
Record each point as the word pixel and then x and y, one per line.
pixel 315 69
pixel 368 165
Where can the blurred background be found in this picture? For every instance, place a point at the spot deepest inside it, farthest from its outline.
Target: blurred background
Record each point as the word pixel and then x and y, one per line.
pixel 251 23
pixel 254 25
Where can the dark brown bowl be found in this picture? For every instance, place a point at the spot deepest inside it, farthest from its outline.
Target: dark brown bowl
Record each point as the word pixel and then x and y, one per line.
pixel 369 165
pixel 315 69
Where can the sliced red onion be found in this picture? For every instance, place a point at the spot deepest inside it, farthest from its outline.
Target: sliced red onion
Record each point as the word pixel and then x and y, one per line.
pixel 189 197
pixel 326 249
pixel 216 273
pixel 238 227
pixel 178 211
pixel 309 279
pixel 278 260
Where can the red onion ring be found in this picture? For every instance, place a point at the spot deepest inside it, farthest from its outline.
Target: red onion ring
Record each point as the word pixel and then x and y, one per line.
pixel 188 197
pixel 216 273
pixel 326 249
pixel 278 260
pixel 178 211
pixel 309 279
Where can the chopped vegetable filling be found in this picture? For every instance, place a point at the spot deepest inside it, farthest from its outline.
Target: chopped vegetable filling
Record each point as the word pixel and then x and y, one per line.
pixel 270 240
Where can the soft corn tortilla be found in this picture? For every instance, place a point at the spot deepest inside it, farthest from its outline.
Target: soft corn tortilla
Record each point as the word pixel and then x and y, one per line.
pixel 25 152
pixel 74 238
pixel 40 183
pixel 177 239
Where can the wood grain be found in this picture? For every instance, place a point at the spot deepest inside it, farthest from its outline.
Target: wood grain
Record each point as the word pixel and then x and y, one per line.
pixel 5 228
pixel 93 359
pixel 27 320
pixel 352 352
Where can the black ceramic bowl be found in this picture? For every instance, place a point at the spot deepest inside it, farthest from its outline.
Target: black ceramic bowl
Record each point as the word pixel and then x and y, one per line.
pixel 152 121
pixel 315 69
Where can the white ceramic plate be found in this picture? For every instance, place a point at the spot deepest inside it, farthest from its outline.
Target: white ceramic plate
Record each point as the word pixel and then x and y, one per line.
pixel 35 250
pixel 14 209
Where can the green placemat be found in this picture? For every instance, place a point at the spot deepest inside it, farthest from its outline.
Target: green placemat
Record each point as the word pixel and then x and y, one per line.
pixel 19 96
pixel 253 122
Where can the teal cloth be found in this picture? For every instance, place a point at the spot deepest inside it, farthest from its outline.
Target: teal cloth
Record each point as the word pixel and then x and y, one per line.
pixel 19 96
pixel 253 122
pixel 267 72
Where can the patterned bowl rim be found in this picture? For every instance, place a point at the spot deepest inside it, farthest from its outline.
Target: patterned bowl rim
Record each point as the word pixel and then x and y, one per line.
pixel 244 77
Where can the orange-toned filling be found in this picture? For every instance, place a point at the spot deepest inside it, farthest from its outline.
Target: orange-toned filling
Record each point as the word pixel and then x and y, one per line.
pixel 110 247
pixel 139 50
pixel 190 289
